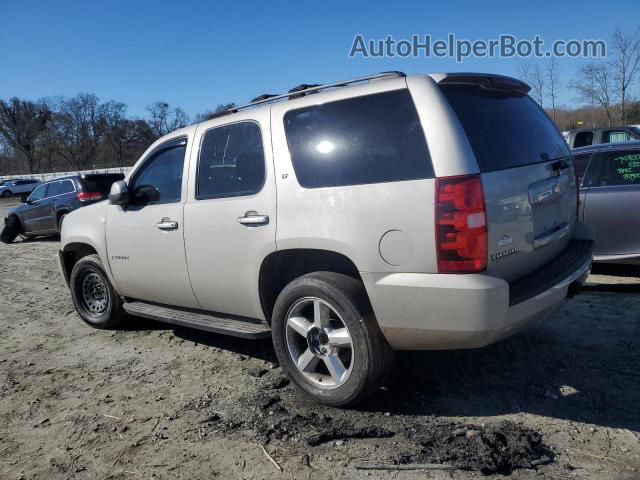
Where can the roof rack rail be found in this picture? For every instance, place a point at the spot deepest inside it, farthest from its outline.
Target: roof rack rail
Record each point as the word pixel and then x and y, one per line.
pixel 264 96
pixel 299 89
pixel 304 89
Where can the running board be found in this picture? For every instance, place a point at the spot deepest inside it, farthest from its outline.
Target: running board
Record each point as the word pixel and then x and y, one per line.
pixel 202 320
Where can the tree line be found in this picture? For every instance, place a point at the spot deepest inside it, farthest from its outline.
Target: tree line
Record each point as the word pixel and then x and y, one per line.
pixel 602 90
pixel 81 133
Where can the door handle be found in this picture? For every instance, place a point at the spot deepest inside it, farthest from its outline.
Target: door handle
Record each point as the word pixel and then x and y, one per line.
pixel 253 219
pixel 167 224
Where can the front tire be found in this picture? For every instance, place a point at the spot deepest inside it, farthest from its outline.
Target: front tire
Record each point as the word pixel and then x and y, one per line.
pixel 93 296
pixel 7 193
pixel 11 230
pixel 327 339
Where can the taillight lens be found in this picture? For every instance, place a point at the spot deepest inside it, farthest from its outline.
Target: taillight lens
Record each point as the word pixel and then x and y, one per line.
pixel 461 225
pixel 89 196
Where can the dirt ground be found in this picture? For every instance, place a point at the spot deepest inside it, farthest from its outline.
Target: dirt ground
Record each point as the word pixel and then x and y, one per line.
pixel 561 400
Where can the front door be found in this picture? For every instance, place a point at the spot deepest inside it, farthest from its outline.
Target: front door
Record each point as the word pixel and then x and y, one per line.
pixel 34 218
pixel 230 218
pixel 145 243
pixel 611 205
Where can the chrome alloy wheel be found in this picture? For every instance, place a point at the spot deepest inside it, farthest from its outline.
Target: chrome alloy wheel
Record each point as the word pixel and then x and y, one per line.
pixel 319 342
pixel 94 293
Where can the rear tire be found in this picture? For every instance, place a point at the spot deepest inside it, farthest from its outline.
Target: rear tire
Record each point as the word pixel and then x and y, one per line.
pixel 340 359
pixel 11 230
pixel 95 300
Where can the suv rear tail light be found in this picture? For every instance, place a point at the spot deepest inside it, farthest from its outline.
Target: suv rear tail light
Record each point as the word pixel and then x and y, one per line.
pixel 89 196
pixel 461 225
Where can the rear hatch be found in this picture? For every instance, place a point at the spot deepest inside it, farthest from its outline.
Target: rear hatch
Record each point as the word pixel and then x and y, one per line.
pixel 100 182
pixel 527 176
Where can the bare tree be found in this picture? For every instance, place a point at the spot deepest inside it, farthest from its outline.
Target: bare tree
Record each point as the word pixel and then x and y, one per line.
pixel 201 117
pixel 121 133
pixel 553 80
pixel 79 126
pixel 594 86
pixel 625 64
pixel 535 77
pixel 21 123
pixel 164 119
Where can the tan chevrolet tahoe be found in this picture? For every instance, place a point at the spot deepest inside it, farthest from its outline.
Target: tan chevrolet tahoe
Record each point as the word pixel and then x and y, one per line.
pixel 346 221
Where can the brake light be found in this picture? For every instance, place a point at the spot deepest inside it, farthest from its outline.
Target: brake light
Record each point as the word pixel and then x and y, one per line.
pixel 461 225
pixel 89 196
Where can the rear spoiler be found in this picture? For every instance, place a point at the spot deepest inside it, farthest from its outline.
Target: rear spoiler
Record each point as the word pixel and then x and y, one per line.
pixel 484 80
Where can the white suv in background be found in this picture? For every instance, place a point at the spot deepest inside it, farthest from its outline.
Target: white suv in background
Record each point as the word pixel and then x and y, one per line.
pixel 346 221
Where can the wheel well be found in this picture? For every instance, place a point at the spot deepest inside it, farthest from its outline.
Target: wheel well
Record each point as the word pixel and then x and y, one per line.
pixel 281 267
pixel 13 215
pixel 74 252
pixel 59 215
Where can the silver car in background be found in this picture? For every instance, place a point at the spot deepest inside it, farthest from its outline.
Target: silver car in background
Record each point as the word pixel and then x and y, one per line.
pixel 609 176
pixel 18 186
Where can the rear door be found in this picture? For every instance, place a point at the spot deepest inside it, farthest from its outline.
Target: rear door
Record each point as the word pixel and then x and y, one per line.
pixel 528 179
pixel 612 202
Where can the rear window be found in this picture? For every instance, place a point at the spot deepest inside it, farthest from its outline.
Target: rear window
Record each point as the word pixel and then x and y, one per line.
pixel 100 182
pixel 369 139
pixel 505 130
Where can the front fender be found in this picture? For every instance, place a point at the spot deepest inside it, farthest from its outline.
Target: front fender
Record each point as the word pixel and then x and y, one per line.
pixel 87 226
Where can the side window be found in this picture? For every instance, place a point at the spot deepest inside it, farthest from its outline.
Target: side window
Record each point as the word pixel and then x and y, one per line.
pixel 163 170
pixel 583 139
pixel 581 162
pixel 38 194
pixel 231 162
pixel 55 188
pixel 67 186
pixel 369 139
pixel 616 168
pixel 615 136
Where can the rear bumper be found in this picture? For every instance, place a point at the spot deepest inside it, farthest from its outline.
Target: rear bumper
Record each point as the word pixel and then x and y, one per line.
pixel 418 311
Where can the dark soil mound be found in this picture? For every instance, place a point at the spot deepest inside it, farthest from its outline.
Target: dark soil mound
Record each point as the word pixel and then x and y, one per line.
pixel 498 448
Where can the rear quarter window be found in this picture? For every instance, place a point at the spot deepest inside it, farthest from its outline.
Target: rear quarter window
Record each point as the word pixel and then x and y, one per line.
pixel 369 139
pixel 505 129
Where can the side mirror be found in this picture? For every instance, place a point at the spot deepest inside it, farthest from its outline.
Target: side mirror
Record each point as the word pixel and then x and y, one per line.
pixel 119 194
pixel 146 193
pixel 24 198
